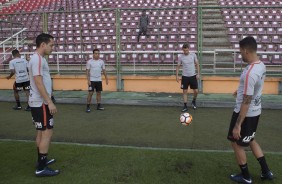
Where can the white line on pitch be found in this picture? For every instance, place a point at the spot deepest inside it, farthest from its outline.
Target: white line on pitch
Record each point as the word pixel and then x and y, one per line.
pixel 135 147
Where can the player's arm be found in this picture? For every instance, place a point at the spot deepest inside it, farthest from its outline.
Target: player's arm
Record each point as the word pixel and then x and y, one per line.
pixel 42 90
pixel 106 77
pixel 197 67
pixel 88 76
pixel 12 72
pixel 177 72
pixel 242 115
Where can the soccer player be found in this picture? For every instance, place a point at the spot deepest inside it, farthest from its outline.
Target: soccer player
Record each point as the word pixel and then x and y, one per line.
pixel 42 107
pixel 247 111
pixel 189 62
pixel 19 67
pixel 144 22
pixel 94 68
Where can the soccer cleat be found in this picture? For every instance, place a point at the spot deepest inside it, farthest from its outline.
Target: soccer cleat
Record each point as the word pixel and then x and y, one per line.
pixel 185 109
pixel 100 108
pixel 17 108
pixel 46 172
pixel 27 108
pixel 240 179
pixel 88 109
pixel 194 104
pixel 266 176
pixel 48 162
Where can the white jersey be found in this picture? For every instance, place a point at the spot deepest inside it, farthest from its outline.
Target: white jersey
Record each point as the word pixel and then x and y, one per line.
pixel 20 66
pixel 251 83
pixel 38 66
pixel 188 64
pixel 96 67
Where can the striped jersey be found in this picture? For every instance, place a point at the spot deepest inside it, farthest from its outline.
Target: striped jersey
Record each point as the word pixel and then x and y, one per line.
pixel 20 66
pixel 251 83
pixel 38 66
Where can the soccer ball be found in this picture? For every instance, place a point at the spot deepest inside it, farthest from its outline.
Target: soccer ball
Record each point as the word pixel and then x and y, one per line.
pixel 186 119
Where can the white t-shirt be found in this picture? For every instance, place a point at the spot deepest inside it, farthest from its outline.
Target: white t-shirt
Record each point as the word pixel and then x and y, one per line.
pixel 251 83
pixel 188 64
pixel 20 66
pixel 38 66
pixel 96 67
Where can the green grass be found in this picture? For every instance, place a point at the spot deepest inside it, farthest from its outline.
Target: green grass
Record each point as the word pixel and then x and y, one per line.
pixel 82 164
pixel 136 126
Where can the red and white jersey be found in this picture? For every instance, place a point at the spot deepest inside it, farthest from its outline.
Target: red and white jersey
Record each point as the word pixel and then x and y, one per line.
pixel 38 66
pixel 251 83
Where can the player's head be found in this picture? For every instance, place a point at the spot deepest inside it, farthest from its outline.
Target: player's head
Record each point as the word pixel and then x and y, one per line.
pixel 45 43
pixel 27 57
pixel 16 53
pixel 185 48
pixel 143 12
pixel 248 47
pixel 96 54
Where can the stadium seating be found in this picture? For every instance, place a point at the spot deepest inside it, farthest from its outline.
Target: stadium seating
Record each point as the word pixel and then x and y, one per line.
pixel 262 23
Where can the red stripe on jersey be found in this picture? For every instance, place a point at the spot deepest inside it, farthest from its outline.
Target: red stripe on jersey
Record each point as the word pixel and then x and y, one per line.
pixel 247 79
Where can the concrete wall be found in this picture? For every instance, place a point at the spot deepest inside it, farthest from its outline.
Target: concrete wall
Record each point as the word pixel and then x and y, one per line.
pixel 141 83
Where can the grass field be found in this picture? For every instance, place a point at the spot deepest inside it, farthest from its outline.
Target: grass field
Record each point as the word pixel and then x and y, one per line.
pixel 136 126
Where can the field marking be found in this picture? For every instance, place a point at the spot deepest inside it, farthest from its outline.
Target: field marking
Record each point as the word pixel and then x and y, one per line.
pixel 134 147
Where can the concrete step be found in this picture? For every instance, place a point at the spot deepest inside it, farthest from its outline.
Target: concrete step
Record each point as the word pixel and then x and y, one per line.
pixel 212 16
pixel 213 21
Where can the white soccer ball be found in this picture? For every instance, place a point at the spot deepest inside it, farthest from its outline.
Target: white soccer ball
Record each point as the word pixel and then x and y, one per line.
pixel 186 119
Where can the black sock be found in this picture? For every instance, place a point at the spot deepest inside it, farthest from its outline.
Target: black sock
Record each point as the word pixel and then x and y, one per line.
pixel 185 104
pixel 88 105
pixel 42 161
pixel 194 100
pixel 263 164
pixel 245 171
pixel 18 103
pixel 98 105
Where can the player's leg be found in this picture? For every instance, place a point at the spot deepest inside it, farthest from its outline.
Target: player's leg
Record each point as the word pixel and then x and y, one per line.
pixel 89 97
pixel 43 122
pixel 238 147
pixel 26 90
pixel 184 86
pixel 240 154
pixel 194 85
pixel 16 90
pixel 139 33
pixel 99 89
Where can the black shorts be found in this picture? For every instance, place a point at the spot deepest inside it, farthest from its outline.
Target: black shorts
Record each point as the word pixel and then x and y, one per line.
pixel 21 86
pixel 42 118
pixel 189 81
pixel 248 129
pixel 97 85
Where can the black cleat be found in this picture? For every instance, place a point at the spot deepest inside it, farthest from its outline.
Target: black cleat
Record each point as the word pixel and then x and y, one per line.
pixel 46 172
pixel 185 109
pixel 48 162
pixel 88 109
pixel 17 108
pixel 194 106
pixel 266 176
pixel 240 179
pixel 100 108
pixel 27 108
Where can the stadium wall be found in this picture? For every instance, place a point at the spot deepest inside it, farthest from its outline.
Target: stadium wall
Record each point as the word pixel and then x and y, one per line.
pixel 142 83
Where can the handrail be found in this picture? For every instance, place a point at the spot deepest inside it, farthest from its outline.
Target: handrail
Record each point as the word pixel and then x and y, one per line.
pixel 13 36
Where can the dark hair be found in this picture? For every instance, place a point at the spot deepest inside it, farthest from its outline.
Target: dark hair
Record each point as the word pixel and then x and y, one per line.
pixel 43 38
pixel 185 46
pixel 248 43
pixel 96 50
pixel 15 52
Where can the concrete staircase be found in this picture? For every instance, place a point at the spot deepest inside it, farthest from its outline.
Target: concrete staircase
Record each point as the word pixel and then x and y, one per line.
pixel 215 37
